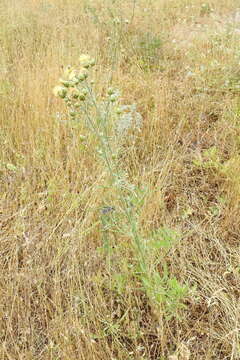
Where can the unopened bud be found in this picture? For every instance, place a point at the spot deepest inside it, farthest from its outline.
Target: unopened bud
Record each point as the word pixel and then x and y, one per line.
pixel 92 62
pixel 86 61
pixel 60 91
pixel 72 113
pixel 118 111
pixel 110 91
pixel 82 97
pixel 113 97
pixel 82 75
pixel 72 74
pixel 82 138
pixel 75 80
pixel 84 91
pixel 65 83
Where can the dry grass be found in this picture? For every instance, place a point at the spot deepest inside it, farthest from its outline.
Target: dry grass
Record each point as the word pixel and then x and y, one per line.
pixel 179 61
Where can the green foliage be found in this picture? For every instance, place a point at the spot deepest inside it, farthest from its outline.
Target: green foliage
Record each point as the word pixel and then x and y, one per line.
pixel 210 159
pixel 147 47
pixel 164 238
pixel 5 88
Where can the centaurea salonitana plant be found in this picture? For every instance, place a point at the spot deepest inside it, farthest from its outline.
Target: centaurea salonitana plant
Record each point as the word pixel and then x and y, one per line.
pixel 109 121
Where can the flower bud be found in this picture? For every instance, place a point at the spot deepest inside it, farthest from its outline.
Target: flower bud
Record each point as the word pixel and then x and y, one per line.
pixel 60 91
pixel 84 91
pixel 82 97
pixel 83 74
pixel 65 83
pixel 116 20
pixel 75 80
pixel 118 111
pixel 82 138
pixel 92 62
pixel 110 91
pixel 86 61
pixel 72 113
pixel 113 97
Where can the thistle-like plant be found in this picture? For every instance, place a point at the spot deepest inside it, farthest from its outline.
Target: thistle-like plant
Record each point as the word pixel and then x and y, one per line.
pixel 109 122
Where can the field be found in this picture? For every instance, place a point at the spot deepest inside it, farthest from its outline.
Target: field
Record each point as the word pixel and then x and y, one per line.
pixel 119 196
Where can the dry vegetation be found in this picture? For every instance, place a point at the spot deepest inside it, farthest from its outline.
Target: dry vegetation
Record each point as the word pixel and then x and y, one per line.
pixel 63 297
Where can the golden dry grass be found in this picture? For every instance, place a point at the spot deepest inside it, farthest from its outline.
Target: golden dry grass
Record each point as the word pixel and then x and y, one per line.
pixel 179 61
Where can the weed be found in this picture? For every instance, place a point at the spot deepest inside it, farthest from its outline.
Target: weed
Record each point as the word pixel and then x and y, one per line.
pixel 108 121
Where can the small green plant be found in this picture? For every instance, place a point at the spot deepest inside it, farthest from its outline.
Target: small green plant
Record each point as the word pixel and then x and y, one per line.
pixel 147 47
pixel 209 160
pixel 108 122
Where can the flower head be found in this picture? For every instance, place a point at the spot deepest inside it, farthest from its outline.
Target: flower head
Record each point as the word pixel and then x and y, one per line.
pixel 65 83
pixel 83 74
pixel 113 97
pixel 86 61
pixel 60 91
pixel 82 96
pixel 110 91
